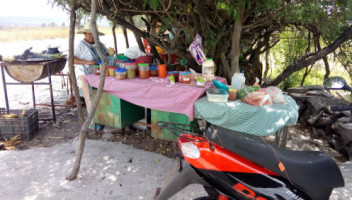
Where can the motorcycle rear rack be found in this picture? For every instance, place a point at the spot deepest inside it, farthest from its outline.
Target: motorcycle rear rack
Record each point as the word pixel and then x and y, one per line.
pixel 179 129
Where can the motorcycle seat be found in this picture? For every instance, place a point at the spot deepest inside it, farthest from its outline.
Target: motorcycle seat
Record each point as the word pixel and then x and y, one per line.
pixel 307 169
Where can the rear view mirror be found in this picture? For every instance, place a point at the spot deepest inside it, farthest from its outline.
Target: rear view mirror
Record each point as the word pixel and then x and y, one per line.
pixel 335 83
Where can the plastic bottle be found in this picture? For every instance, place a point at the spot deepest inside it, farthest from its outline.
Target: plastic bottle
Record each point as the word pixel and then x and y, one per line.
pixel 208 69
pixel 238 80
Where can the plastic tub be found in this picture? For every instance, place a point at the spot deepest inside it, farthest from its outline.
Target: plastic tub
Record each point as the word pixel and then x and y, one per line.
pixel 145 59
pixel 122 57
pixel 186 77
pixel 217 95
pixel 120 73
pixel 143 70
pixel 131 70
pixel 120 64
pixel 96 69
pixel 153 70
pixel 162 71
pixel 175 74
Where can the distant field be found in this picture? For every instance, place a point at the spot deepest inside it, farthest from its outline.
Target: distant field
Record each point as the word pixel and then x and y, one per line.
pixel 26 34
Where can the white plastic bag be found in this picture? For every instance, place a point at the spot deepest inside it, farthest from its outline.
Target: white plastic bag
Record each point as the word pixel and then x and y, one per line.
pixel 275 94
pixel 134 52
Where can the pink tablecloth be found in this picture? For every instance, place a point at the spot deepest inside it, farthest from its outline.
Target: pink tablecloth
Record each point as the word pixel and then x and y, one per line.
pixel 154 93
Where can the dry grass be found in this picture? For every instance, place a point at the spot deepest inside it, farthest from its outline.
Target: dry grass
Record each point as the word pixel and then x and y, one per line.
pixel 27 34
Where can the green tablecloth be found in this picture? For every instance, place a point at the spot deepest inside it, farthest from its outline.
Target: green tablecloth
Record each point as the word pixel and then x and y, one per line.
pixel 242 117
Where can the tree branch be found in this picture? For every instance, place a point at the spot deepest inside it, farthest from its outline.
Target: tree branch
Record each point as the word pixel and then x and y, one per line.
pixel 304 61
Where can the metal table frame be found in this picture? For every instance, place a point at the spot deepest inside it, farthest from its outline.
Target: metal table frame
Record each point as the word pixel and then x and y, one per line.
pixel 33 91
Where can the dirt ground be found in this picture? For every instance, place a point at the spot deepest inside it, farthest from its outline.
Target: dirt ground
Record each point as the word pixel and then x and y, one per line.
pixel 300 137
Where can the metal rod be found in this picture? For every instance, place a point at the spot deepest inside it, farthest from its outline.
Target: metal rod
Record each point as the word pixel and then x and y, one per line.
pixel 4 85
pixel 27 83
pixel 51 94
pixel 43 104
pixel 33 95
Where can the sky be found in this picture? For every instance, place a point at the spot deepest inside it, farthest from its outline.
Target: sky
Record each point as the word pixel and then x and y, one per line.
pixel 30 8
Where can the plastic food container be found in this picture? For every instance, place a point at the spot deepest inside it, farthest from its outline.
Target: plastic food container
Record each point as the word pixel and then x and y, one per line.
pixel 143 70
pixel 175 74
pixel 145 59
pixel 217 95
pixel 120 73
pixel 153 70
pixel 122 57
pixel 131 70
pixel 186 77
pixel 120 64
pixel 162 71
pixel 232 94
pixel 96 69
pixel 111 71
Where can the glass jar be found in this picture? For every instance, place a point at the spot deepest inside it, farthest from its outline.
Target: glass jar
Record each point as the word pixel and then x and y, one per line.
pixel 153 70
pixel 120 73
pixel 186 77
pixel 96 69
pixel 175 74
pixel 143 70
pixel 131 70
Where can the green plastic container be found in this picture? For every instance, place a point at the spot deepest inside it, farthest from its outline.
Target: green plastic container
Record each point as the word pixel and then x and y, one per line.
pixel 122 57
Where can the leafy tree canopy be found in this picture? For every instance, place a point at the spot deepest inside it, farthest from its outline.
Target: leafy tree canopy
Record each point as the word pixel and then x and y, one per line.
pixel 255 24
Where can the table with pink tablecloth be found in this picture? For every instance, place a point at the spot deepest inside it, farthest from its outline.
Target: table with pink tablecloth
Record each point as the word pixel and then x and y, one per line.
pixel 155 93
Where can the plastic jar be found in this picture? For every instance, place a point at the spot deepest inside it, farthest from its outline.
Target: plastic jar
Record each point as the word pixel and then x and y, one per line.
pixel 120 73
pixel 111 71
pixel 238 81
pixel 153 70
pixel 143 70
pixel 232 94
pixel 96 69
pixel 186 77
pixel 208 68
pixel 131 70
pixel 120 64
pixel 175 74
pixel 162 71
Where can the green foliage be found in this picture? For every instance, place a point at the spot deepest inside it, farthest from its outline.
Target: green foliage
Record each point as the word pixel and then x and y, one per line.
pixel 154 4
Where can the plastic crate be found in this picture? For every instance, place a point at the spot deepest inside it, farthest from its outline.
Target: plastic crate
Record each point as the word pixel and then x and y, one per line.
pixel 25 126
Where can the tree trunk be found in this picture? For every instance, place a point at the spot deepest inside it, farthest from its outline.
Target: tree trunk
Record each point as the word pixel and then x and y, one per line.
pixel 327 67
pixel 235 48
pixel 307 60
pixel 124 30
pixel 83 132
pixel 70 62
pixel 114 35
pixel 267 66
pixel 306 74
pixel 325 59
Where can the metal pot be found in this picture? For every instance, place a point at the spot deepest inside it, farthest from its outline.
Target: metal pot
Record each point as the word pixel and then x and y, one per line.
pixel 53 50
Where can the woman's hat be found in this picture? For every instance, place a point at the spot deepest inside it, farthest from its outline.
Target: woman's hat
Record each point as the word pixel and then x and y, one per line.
pixel 87 29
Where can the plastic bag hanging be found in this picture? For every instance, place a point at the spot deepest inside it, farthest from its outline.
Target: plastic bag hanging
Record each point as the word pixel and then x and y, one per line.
pixel 197 50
